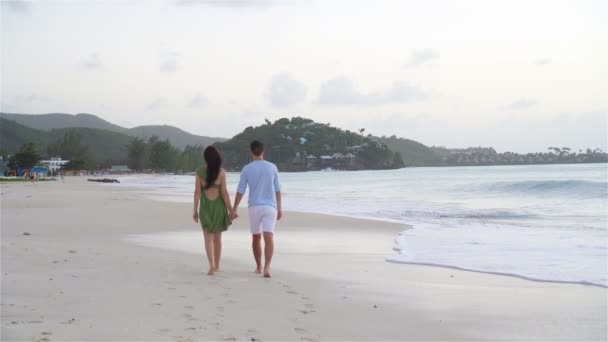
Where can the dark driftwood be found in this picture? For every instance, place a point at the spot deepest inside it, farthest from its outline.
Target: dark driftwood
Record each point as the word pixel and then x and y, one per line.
pixel 104 180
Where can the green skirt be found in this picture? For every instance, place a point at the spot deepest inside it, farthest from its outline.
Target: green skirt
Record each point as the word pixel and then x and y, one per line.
pixel 213 214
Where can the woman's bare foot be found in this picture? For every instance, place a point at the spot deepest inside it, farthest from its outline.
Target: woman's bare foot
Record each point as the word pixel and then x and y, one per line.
pixel 267 273
pixel 258 270
pixel 210 271
pixel 217 269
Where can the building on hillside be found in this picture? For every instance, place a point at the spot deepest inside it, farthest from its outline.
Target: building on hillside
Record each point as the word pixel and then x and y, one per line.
pixel 338 156
pixel 54 164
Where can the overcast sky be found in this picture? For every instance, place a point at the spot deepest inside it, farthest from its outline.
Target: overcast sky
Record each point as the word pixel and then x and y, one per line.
pixel 516 75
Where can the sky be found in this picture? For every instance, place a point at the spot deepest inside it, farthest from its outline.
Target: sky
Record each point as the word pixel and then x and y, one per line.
pixel 516 75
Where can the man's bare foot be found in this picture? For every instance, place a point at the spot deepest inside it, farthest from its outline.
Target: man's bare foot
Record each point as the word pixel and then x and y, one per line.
pixel 210 271
pixel 267 273
pixel 258 270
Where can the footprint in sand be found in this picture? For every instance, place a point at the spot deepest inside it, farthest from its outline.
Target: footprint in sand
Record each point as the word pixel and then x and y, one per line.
pixel 300 330
pixel 309 305
pixel 189 307
pixel 157 304
pixel 292 292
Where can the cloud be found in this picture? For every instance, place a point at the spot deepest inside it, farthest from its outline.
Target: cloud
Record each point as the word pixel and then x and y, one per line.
pixel 285 91
pixel 341 91
pixel 197 101
pixel 19 6
pixel 521 104
pixel 229 3
pixel 32 98
pixel 420 57
pixel 170 61
pixel 158 103
pixel 91 62
pixel 542 62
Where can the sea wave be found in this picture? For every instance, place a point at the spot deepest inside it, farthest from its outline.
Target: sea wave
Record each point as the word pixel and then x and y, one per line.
pixel 543 188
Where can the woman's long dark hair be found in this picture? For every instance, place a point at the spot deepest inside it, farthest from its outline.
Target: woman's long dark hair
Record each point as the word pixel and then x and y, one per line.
pixel 214 163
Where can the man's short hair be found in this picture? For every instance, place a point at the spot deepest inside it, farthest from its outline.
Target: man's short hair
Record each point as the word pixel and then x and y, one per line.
pixel 257 147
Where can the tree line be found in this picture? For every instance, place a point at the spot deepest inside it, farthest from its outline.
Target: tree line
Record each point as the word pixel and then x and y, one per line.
pixel 142 155
pixel 160 155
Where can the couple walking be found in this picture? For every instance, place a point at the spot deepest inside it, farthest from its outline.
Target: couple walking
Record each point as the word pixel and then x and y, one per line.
pixel 214 211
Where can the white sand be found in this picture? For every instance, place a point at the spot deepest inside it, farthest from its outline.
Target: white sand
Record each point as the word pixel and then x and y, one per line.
pixel 88 272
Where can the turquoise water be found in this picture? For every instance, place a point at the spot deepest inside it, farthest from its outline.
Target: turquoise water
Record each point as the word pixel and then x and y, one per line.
pixel 540 222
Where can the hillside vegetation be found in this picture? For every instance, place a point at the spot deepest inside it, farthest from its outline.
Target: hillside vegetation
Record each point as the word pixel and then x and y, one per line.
pixel 302 144
pixel 47 122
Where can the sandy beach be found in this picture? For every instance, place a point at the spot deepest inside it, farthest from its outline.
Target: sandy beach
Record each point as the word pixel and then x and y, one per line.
pixel 87 261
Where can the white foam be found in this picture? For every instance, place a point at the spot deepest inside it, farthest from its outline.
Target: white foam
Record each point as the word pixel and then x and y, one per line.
pixel 569 257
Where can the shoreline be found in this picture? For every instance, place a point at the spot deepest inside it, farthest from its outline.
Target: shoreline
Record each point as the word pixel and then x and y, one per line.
pixel 331 280
pixel 174 198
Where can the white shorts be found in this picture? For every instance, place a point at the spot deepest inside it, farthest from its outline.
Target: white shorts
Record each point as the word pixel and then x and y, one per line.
pixel 262 218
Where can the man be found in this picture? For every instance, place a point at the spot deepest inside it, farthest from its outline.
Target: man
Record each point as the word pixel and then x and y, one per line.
pixel 262 177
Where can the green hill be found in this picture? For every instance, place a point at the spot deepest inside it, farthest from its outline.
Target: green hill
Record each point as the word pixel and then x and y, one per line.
pixel 13 135
pixel 48 122
pixel 178 138
pixel 413 152
pixel 103 146
pixel 298 144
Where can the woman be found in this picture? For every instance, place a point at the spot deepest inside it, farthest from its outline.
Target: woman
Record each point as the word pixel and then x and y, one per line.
pixel 213 209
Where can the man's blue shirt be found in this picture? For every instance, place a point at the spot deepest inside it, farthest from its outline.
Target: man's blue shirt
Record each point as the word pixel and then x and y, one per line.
pixel 262 177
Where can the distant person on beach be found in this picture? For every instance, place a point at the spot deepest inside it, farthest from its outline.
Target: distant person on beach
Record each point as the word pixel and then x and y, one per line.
pixel 262 177
pixel 213 209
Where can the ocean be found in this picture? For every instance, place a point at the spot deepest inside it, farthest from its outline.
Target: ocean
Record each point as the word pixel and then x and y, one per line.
pixel 538 222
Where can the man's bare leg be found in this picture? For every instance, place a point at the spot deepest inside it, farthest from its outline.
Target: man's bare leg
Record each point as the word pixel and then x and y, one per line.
pixel 268 251
pixel 256 245
pixel 209 250
pixel 217 250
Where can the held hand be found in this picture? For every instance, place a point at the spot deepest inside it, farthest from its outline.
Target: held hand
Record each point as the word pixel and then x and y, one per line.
pixel 279 215
pixel 195 216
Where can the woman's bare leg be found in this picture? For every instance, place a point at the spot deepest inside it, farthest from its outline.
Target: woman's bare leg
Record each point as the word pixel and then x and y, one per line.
pixel 217 249
pixel 209 250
